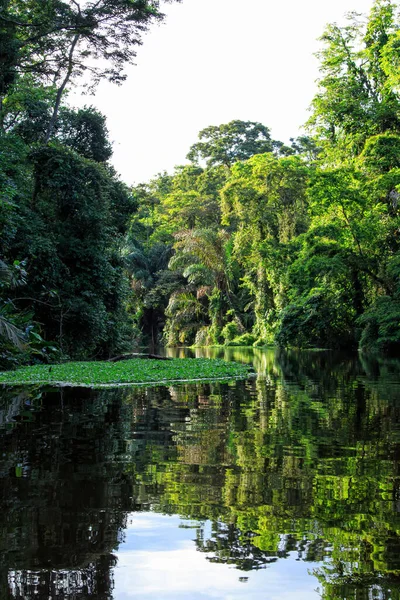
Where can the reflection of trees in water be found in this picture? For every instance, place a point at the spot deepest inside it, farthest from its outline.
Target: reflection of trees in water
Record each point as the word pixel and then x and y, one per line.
pixel 229 545
pixel 303 462
pixel 63 495
pixel 305 459
pixel 93 581
pixel 339 581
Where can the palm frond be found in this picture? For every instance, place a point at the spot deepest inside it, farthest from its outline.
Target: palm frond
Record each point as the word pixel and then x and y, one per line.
pixel 137 259
pixel 5 273
pixel 11 333
pixel 198 274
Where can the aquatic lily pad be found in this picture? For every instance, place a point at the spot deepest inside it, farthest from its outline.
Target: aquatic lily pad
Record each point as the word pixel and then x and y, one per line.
pixel 126 372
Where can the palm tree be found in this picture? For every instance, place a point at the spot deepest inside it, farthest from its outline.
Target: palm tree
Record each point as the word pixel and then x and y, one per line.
pixel 152 284
pixel 204 259
pixel 201 253
pixel 8 330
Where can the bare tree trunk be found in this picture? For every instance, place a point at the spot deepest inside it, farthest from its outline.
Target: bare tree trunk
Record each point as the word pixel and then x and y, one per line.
pixel 61 89
pixel 1 113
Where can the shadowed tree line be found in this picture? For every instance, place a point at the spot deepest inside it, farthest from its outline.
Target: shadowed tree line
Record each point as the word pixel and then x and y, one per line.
pixel 63 210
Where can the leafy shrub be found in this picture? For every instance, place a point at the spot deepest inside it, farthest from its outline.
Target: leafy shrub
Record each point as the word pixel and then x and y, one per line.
pixel 381 153
pixel 230 331
pixel 247 339
pixel 381 326
pixel 321 319
pixel 205 337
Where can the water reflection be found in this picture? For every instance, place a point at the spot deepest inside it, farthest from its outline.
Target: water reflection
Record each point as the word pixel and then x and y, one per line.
pixel 63 493
pixel 300 465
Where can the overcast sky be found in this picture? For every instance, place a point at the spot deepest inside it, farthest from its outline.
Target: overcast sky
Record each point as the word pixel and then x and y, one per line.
pixel 213 61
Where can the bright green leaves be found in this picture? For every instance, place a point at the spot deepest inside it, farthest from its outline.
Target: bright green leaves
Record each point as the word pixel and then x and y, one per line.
pixel 292 243
pixel 381 153
pixel 134 372
pixel 357 98
pixel 266 193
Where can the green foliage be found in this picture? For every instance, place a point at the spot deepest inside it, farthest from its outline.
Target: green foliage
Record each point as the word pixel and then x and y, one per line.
pixel 381 322
pixel 152 285
pixel 85 132
pixel 208 335
pixel 247 339
pixel 319 320
pixel 45 33
pixel 293 243
pixel 9 53
pixel 186 315
pixel 63 210
pixel 381 153
pixel 356 98
pixel 77 272
pixel 133 372
pixel 228 143
pixel 15 187
pixel 277 243
pixel 230 331
pixel 63 216
pixel 381 326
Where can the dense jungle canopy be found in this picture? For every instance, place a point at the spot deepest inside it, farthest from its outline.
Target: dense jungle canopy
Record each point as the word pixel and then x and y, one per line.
pixel 253 242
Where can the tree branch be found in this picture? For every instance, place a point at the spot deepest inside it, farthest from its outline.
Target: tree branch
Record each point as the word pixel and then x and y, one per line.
pixel 62 88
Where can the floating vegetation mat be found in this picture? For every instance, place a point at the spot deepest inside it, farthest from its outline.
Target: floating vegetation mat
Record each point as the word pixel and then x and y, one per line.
pixel 139 371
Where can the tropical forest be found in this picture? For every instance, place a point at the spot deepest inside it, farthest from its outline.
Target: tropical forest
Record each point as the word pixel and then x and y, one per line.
pixel 254 242
pixel 199 374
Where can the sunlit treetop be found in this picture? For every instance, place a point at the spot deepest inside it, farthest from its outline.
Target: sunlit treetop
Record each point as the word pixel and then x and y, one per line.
pixel 359 85
pixel 225 144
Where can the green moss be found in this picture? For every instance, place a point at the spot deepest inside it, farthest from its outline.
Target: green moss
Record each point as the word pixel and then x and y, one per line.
pixel 126 372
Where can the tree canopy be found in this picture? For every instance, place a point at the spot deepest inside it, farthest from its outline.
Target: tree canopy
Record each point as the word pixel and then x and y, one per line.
pixel 61 41
pixel 253 242
pixel 64 212
pixel 225 144
pixel 305 234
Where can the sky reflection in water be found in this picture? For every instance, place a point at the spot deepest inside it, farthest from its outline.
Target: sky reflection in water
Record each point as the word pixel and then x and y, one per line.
pixel 159 560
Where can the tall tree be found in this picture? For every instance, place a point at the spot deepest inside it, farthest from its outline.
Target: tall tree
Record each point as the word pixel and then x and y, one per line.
pixel 59 41
pixel 355 98
pixel 225 144
pixel 76 281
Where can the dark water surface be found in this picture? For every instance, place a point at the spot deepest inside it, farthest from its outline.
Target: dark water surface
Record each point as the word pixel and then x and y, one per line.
pixel 286 486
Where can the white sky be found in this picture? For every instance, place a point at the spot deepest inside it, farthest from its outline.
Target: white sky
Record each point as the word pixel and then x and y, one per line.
pixel 213 61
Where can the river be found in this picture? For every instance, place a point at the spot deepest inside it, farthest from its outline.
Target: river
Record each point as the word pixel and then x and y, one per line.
pixel 285 486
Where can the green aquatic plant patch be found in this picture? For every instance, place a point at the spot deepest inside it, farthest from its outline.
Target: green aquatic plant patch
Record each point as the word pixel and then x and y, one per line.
pixel 126 372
